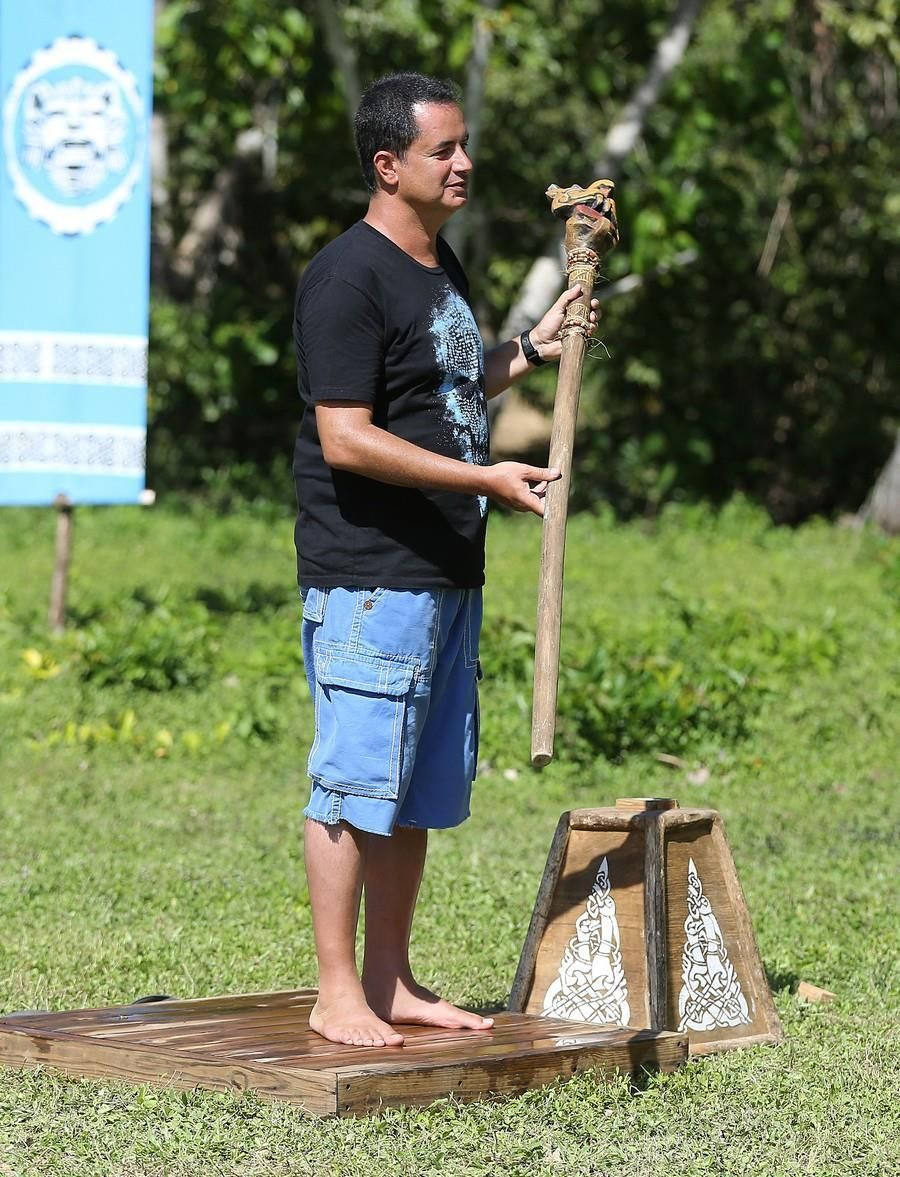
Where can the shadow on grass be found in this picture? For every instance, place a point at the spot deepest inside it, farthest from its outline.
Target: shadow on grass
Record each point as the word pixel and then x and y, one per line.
pixel 782 980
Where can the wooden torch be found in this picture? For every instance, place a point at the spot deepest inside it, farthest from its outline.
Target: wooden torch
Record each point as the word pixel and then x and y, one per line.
pixel 591 232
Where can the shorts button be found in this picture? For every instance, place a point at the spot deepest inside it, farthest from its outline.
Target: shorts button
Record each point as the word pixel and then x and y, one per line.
pixel 368 604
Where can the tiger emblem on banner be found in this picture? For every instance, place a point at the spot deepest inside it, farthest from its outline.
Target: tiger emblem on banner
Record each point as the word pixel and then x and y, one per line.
pixel 74 129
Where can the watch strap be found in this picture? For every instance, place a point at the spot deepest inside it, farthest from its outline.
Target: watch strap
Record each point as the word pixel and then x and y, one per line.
pixel 529 351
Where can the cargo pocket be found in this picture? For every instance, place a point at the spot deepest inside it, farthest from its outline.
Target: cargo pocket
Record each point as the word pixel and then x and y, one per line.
pixel 362 700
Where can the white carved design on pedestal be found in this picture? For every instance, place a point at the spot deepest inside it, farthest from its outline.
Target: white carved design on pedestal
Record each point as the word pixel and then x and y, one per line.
pixel 591 983
pixel 711 995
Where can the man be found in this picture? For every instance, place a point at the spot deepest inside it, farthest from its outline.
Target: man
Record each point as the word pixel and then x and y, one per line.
pixel 392 485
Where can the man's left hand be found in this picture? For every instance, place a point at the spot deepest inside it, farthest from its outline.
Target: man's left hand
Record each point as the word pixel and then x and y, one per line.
pixel 545 335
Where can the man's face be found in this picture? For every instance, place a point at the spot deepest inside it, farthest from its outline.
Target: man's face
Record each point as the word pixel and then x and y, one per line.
pixel 434 175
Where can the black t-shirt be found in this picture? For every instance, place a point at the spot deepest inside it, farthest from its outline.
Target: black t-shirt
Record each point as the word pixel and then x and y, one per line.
pixel 374 325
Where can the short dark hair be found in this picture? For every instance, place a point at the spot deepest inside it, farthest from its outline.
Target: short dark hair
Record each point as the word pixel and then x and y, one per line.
pixel 385 120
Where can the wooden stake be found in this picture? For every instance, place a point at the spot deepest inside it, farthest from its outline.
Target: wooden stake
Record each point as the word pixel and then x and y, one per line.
pixel 809 992
pixel 59 588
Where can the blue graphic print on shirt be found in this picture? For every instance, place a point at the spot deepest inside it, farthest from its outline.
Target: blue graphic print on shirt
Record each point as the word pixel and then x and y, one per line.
pixel 459 354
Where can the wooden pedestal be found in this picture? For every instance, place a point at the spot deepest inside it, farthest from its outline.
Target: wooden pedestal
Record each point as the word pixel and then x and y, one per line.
pixel 640 921
pixel 263 1041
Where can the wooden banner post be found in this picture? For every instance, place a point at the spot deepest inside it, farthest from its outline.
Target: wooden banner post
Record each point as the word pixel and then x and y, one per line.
pixel 59 588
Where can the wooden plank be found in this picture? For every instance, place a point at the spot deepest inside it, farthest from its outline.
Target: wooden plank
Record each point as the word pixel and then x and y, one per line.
pixel 604 819
pixel 400 1061
pixel 536 1041
pixel 524 978
pixel 655 923
pixel 20 1047
pixel 406 1059
pixel 705 844
pixel 585 851
pixel 190 1029
pixel 169 1010
pixel 305 1045
pixel 197 1023
pixel 470 1044
pixel 272 998
pixel 646 804
pixel 697 1047
pixel 362 1091
pixel 809 992
pixel 689 817
pixel 746 935
pixel 302 1040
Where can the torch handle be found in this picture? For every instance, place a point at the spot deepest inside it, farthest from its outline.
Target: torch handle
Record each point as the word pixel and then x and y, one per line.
pixel 553 541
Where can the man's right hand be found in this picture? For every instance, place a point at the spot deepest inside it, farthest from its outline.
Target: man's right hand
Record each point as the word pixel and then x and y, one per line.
pixel 520 487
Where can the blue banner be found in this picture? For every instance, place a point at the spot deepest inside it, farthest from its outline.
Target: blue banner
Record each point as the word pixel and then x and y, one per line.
pixel 75 104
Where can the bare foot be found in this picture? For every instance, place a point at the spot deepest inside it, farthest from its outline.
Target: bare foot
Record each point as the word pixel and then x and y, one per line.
pixel 351 1022
pixel 413 1004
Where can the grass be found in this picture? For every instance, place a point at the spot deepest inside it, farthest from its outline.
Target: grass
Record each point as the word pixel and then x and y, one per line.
pixel 152 778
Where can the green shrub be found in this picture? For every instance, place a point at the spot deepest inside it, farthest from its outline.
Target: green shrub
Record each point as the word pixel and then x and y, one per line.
pixel 148 643
pixel 696 671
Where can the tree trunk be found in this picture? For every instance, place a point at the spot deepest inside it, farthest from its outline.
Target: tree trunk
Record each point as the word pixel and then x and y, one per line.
pixel 193 265
pixel 459 229
pixel 883 504
pixel 626 130
pixel 342 54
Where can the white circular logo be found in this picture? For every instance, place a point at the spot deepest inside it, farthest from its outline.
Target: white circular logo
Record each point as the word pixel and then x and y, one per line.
pixel 74 134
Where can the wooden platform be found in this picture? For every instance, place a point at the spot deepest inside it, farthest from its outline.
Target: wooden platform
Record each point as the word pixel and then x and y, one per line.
pixel 262 1041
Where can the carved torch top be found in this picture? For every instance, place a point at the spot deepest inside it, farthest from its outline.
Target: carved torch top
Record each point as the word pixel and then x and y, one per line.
pixel 591 232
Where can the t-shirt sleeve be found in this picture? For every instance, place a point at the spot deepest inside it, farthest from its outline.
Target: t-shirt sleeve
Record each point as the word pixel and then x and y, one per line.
pixel 340 333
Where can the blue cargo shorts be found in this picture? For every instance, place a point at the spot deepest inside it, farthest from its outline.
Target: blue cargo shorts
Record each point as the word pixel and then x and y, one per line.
pixel 394 677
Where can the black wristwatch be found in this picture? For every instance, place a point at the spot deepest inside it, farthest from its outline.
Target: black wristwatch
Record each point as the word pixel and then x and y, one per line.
pixel 529 351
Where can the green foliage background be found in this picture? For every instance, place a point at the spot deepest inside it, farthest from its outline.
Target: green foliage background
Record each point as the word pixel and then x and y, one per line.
pixel 779 381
